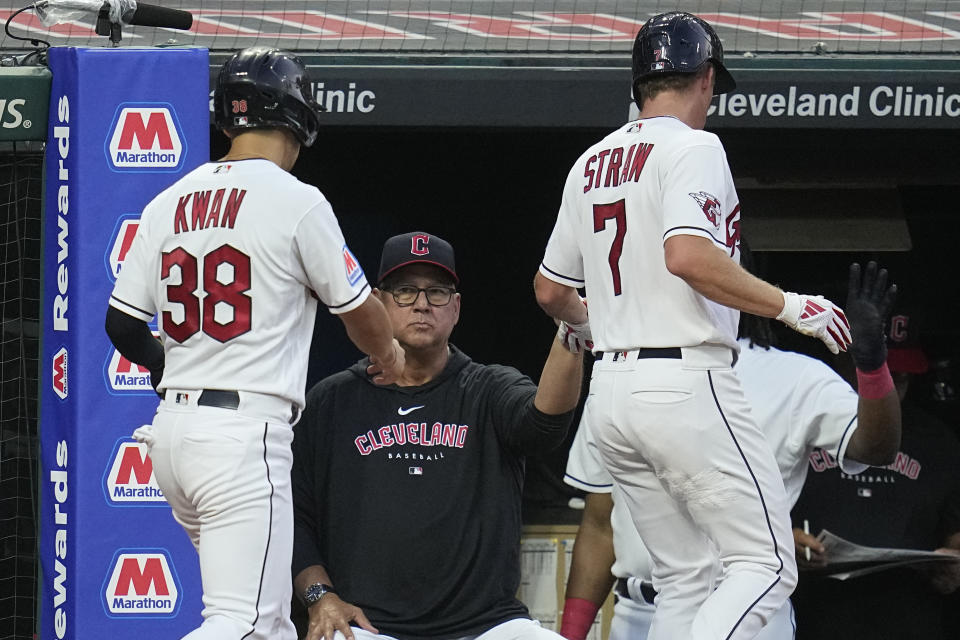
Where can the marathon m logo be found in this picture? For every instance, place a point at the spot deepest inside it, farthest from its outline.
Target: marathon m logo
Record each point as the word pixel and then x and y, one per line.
pixel 126 377
pixel 123 375
pixel 145 137
pixel 120 243
pixel 141 583
pixel 352 267
pixel 60 373
pixel 129 480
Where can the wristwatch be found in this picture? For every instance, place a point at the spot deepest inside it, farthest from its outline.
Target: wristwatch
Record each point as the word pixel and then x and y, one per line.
pixel 314 592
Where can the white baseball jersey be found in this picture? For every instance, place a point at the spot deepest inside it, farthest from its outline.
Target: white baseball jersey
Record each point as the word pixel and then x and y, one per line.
pixel 647 181
pixel 232 257
pixel 799 402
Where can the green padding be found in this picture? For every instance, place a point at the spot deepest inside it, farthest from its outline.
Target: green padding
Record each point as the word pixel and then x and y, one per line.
pixel 24 103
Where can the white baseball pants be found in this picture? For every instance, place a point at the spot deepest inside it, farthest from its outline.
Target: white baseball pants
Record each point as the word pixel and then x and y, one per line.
pixel 226 475
pixel 517 629
pixel 678 437
pixel 632 620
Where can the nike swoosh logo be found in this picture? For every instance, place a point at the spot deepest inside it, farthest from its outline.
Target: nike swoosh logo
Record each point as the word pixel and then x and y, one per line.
pixel 401 411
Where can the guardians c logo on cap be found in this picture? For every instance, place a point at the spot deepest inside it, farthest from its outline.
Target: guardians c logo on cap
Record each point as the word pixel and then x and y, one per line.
pixel 416 247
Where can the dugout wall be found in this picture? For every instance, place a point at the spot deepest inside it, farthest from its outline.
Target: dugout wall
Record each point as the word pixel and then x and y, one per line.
pixel 836 160
pixel 831 155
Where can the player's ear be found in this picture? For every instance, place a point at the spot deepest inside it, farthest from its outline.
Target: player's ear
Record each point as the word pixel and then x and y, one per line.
pixel 456 310
pixel 710 77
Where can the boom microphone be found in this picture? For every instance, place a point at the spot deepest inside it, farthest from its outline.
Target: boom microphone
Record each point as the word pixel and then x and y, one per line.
pixel 151 15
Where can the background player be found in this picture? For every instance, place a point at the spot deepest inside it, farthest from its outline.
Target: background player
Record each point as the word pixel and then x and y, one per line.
pixel 407 497
pixel 913 503
pixel 649 224
pixel 232 257
pixel 800 404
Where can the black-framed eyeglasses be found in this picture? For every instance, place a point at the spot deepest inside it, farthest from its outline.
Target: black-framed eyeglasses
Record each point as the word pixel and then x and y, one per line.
pixel 405 295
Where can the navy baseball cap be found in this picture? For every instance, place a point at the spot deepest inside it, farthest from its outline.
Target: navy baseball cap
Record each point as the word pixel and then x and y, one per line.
pixel 416 247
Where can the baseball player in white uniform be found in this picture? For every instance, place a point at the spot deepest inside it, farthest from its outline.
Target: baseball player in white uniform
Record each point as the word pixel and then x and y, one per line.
pixel 800 403
pixel 649 225
pixel 232 259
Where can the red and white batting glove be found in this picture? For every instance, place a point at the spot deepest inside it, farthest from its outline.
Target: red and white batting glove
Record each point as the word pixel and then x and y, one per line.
pixel 575 337
pixel 817 317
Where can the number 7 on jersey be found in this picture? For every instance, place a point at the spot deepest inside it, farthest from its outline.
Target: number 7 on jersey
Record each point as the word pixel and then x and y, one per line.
pixel 616 211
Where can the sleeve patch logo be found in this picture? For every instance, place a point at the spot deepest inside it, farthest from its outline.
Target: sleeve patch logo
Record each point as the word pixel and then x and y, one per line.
pixel 352 267
pixel 710 206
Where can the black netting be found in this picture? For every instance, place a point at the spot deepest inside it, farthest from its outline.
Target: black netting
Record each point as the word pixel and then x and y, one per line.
pixel 535 26
pixel 20 189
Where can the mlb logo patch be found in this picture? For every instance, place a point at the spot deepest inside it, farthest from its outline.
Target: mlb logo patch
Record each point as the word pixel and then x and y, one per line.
pixel 864 492
pixel 352 266
pixel 141 583
pixel 145 137
pixel 415 471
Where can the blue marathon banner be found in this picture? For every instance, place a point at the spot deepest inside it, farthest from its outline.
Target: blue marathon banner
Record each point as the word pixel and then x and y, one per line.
pixel 124 124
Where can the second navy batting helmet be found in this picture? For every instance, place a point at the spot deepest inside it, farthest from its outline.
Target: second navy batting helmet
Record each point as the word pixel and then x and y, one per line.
pixel 262 87
pixel 678 42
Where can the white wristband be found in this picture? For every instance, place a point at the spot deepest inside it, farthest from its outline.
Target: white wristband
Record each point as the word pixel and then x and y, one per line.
pixel 790 314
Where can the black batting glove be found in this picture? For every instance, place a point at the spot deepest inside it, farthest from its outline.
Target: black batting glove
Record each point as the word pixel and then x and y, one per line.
pixel 869 301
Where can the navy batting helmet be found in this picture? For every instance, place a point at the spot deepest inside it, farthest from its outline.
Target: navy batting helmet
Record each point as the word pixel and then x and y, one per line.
pixel 678 42
pixel 262 87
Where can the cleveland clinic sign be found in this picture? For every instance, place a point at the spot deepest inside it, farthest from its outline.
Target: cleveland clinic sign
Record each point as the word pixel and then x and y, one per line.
pixel 584 92
pixel 879 102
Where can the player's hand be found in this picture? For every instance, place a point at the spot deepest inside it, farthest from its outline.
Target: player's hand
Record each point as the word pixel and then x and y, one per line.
pixel 817 317
pixel 575 337
pixel 331 614
pixel 803 541
pixel 387 372
pixel 868 302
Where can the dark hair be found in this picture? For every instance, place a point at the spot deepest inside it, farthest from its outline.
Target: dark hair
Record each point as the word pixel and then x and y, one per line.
pixel 652 86
pixel 755 328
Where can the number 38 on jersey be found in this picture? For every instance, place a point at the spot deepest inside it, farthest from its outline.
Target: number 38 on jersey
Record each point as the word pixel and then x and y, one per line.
pixel 212 293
